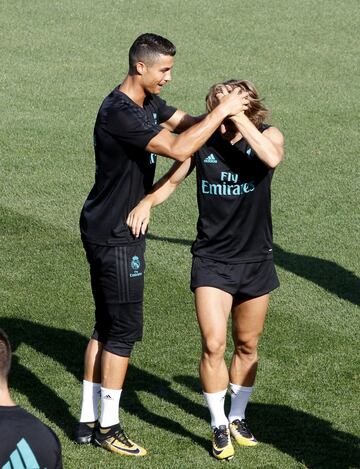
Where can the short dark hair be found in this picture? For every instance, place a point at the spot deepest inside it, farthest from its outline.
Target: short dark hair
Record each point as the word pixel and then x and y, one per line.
pixel 5 355
pixel 147 47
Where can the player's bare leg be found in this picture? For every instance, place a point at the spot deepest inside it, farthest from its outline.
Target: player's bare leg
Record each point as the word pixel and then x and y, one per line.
pixel 248 319
pixel 113 370
pixel 92 368
pixel 213 308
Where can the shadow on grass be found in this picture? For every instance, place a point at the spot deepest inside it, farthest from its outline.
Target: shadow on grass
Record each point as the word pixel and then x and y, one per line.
pixel 327 274
pixel 63 346
pixel 306 438
pixel 140 380
pixel 67 348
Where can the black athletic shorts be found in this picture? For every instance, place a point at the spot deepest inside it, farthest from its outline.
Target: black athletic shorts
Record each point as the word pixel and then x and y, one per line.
pixel 117 282
pixel 240 280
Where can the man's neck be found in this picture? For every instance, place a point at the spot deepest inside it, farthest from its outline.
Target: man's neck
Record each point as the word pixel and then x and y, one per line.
pixel 132 88
pixel 5 399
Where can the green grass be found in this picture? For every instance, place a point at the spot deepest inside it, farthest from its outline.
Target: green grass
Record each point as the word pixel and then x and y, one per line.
pixel 59 59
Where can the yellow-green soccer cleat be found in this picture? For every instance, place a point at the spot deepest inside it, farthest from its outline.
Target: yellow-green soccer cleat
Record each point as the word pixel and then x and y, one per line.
pixel 114 439
pixel 242 434
pixel 222 447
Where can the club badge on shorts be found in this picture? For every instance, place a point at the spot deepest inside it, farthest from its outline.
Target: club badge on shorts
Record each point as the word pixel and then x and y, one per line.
pixel 135 266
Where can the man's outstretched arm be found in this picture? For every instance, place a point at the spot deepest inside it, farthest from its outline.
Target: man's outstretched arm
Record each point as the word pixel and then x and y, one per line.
pixel 138 219
pixel 180 121
pixel 180 147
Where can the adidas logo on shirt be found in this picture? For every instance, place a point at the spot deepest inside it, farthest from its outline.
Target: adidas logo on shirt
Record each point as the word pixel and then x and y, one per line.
pixel 22 454
pixel 210 159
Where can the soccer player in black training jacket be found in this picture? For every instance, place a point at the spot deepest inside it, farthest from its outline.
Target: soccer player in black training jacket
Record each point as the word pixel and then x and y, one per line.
pixel 133 125
pixel 24 440
pixel 233 268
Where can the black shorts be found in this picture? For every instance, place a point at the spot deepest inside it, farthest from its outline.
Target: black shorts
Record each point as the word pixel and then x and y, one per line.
pixel 242 281
pixel 117 282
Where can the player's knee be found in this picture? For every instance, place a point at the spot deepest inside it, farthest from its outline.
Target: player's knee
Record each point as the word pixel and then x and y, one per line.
pixel 247 348
pixel 214 347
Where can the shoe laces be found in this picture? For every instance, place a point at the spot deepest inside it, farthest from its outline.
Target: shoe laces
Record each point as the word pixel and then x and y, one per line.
pixel 221 435
pixel 122 436
pixel 242 428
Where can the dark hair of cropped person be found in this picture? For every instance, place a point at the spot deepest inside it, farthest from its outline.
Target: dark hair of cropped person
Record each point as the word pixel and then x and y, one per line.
pixel 146 48
pixel 256 112
pixel 5 356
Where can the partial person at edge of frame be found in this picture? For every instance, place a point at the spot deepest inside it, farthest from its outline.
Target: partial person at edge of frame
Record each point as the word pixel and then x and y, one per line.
pixel 133 126
pixel 24 438
pixel 233 268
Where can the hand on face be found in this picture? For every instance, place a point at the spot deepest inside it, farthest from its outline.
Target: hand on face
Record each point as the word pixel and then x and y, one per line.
pixel 237 99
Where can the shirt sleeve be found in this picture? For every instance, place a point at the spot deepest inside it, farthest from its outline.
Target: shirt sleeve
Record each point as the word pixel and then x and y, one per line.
pixel 164 111
pixel 130 124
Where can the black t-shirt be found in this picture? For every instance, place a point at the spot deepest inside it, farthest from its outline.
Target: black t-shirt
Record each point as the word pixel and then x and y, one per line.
pixel 124 170
pixel 27 442
pixel 233 192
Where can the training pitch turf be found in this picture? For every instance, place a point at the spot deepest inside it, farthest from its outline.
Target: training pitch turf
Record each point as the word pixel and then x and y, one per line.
pixel 58 60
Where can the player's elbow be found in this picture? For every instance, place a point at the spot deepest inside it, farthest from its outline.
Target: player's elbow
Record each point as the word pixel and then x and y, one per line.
pixel 180 153
pixel 177 155
pixel 274 162
pixel 275 158
pixel 182 156
pixel 274 148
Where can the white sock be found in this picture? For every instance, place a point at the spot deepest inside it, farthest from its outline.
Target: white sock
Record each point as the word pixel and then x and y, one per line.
pixel 110 399
pixel 240 396
pixel 215 402
pixel 90 401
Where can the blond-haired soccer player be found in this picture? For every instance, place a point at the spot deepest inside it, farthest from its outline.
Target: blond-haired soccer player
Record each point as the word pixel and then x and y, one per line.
pixel 233 268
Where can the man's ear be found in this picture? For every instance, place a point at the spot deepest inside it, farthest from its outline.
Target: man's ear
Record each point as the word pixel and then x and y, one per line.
pixel 222 128
pixel 140 68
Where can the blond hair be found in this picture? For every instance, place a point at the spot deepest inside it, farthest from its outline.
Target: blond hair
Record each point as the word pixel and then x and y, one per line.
pixel 256 112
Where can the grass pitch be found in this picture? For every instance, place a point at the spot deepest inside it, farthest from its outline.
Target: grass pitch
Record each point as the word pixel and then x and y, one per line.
pixel 59 60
